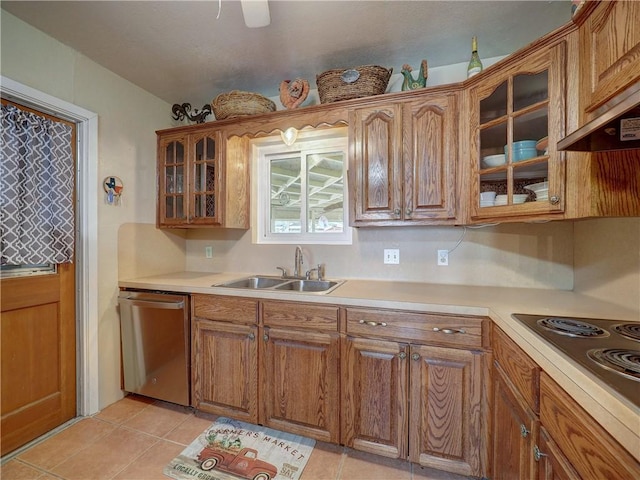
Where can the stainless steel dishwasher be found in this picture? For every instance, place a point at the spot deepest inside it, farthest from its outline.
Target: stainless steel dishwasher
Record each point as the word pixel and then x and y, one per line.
pixel 155 345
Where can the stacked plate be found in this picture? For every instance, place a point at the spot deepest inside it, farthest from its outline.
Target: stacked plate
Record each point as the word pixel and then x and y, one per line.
pixel 517 199
pixel 541 190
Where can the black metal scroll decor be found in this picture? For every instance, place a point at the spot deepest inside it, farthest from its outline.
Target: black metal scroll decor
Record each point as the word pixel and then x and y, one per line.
pixel 184 110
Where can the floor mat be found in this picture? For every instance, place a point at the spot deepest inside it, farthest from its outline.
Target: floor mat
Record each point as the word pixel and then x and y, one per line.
pixel 230 449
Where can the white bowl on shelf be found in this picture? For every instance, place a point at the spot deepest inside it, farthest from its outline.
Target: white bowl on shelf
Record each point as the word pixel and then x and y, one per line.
pixel 520 198
pixel 491 161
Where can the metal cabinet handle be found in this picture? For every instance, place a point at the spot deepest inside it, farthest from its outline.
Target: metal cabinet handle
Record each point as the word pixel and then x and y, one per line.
pixel 415 356
pixel 265 337
pixel 402 355
pixel 252 336
pixel 448 331
pixel 554 200
pixel 373 324
pixel 537 454
pixel 523 431
pixel 396 212
pixel 408 212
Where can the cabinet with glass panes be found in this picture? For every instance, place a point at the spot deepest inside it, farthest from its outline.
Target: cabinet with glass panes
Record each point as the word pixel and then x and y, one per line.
pixel 517 117
pixel 192 179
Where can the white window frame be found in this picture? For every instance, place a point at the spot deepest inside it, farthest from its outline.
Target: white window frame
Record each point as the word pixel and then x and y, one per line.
pixel 262 149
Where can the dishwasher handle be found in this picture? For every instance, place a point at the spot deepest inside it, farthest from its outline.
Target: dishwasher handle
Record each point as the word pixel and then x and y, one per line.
pixel 155 303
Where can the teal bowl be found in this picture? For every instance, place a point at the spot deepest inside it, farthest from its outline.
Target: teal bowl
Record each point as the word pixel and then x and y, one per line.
pixel 522 150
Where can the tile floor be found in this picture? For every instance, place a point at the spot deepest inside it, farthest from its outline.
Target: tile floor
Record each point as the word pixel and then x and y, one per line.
pixel 134 439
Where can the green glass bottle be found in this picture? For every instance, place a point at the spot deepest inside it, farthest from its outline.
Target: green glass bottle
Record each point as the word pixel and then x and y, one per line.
pixel 475 65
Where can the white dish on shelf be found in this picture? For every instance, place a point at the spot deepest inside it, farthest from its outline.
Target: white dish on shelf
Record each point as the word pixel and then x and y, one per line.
pixel 491 161
pixel 520 198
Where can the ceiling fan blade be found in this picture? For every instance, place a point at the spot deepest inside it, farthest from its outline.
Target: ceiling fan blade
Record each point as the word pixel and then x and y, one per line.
pixel 256 13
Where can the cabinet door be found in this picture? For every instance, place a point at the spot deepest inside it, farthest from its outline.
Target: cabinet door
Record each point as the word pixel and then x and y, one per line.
pixel 375 170
pixel 431 139
pixel 610 48
pixel 300 383
pixel 445 431
pixel 205 179
pixel 172 170
pixel 517 117
pixel 225 369
pixel 374 403
pixel 552 464
pixel 514 432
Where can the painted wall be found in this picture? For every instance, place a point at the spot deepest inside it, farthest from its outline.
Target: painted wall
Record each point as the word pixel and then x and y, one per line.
pixel 128 118
pixel 607 260
pixel 523 255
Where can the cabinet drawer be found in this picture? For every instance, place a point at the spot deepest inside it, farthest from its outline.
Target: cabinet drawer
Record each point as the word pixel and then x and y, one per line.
pixel 519 368
pixel 225 309
pixel 445 330
pixel 305 315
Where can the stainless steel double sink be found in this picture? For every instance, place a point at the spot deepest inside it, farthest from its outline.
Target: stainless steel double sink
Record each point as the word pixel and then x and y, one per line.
pixel 282 284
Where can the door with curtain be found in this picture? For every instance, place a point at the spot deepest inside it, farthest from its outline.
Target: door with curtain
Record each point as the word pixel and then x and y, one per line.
pixel 38 311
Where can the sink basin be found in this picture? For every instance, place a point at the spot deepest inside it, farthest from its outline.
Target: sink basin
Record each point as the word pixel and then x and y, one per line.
pixel 280 284
pixel 254 282
pixel 308 285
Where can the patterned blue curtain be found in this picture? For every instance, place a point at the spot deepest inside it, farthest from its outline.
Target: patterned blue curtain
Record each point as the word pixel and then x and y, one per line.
pixel 37 177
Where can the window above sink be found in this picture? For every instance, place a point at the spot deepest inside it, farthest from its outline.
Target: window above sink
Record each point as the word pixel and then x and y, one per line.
pixel 300 191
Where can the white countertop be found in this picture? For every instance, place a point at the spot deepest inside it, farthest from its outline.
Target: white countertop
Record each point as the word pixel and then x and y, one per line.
pixel 614 413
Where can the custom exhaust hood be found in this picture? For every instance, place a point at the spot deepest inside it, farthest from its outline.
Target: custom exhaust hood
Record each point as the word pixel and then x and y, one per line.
pixel 615 127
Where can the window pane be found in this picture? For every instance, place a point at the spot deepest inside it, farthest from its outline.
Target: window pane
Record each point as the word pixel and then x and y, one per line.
pixel 325 191
pixel 285 205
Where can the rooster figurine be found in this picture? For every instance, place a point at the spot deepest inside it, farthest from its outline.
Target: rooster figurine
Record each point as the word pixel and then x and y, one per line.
pixel 293 92
pixel 409 83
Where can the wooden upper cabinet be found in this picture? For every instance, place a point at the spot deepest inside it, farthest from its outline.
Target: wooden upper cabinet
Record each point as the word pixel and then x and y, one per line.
pixel 522 102
pixel 402 162
pixel 610 52
pixel 200 183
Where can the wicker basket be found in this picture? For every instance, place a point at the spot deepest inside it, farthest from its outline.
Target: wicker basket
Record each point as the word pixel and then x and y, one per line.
pixel 341 84
pixel 237 104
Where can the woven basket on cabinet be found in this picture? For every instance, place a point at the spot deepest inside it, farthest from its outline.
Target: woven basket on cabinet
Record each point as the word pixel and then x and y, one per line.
pixel 345 84
pixel 238 103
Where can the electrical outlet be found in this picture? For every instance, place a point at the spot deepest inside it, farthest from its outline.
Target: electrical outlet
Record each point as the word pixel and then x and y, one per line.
pixel 208 251
pixel 392 256
pixel 443 257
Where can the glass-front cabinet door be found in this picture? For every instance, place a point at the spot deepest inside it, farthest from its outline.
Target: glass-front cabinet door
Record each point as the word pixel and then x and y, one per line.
pixel 204 197
pixel 517 119
pixel 188 179
pixel 172 181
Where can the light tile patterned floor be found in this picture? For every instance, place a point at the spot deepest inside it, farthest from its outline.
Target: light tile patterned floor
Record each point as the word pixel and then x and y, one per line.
pixel 134 439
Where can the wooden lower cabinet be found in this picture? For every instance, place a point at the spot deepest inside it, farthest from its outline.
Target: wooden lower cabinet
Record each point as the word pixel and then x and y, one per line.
pixel 593 453
pixel 540 432
pixel 552 464
pixel 402 399
pixel 225 369
pixel 446 394
pixel 515 429
pixel 300 383
pixel 374 406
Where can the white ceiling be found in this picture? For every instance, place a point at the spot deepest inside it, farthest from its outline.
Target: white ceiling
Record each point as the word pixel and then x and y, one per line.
pixel 180 52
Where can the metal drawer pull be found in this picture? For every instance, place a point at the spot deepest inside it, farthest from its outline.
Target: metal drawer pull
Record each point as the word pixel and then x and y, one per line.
pixel 373 324
pixel 415 356
pixel 523 431
pixel 448 330
pixel 252 336
pixel 402 355
pixel 537 454
pixel 265 337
